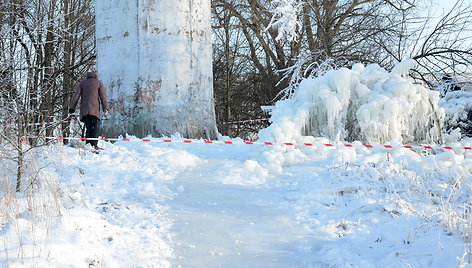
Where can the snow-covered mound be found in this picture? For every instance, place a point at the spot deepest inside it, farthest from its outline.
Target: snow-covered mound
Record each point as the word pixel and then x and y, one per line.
pixel 365 103
pixel 458 107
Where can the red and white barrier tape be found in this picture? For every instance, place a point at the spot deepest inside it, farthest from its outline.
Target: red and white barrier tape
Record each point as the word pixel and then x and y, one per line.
pixel 347 145
pixel 246 121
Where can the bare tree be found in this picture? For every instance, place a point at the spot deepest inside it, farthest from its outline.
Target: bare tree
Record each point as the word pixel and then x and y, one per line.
pixel 247 58
pixel 45 46
pixel 329 34
pixel 443 45
pixel 347 30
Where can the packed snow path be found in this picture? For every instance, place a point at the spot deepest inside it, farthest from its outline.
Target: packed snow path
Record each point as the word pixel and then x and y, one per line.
pixel 228 225
pixel 214 203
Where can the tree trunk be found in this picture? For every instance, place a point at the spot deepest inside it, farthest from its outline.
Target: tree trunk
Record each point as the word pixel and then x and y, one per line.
pixel 67 85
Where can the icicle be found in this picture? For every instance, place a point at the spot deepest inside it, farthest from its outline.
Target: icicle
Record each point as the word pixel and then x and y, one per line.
pixel 365 103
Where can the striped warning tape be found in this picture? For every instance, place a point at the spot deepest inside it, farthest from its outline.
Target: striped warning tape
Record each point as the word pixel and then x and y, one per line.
pixel 246 121
pixel 347 145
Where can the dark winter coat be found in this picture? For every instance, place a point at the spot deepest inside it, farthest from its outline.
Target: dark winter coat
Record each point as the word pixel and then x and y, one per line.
pixel 92 94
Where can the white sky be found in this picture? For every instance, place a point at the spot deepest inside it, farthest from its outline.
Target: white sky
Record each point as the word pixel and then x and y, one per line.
pixel 439 7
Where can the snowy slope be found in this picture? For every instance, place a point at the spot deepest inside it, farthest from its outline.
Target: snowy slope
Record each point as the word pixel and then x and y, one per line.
pixel 141 204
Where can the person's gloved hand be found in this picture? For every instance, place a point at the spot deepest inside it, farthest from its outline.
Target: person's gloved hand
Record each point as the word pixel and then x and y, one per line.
pixel 71 111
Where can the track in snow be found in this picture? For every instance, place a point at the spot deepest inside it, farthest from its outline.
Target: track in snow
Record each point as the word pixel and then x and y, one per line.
pixel 228 225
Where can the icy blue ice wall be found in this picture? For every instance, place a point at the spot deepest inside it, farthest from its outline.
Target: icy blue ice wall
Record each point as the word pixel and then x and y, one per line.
pixel 155 60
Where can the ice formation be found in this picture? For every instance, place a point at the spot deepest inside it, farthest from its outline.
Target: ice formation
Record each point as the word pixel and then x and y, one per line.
pixel 286 18
pixel 155 59
pixel 364 103
pixel 458 107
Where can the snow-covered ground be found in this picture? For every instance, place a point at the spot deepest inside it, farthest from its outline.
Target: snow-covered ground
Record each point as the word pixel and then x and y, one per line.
pixel 159 204
pixel 151 204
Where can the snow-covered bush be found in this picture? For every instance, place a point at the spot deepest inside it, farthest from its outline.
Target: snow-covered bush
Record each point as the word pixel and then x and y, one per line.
pixel 306 66
pixel 458 112
pixel 365 103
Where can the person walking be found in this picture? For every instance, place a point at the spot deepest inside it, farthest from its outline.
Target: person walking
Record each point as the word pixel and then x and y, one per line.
pixel 93 95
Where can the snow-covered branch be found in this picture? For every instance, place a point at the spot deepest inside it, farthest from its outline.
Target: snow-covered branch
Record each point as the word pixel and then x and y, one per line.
pixel 286 19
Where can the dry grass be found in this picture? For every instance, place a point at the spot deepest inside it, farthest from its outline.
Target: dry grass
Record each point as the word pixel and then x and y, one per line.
pixel 27 217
